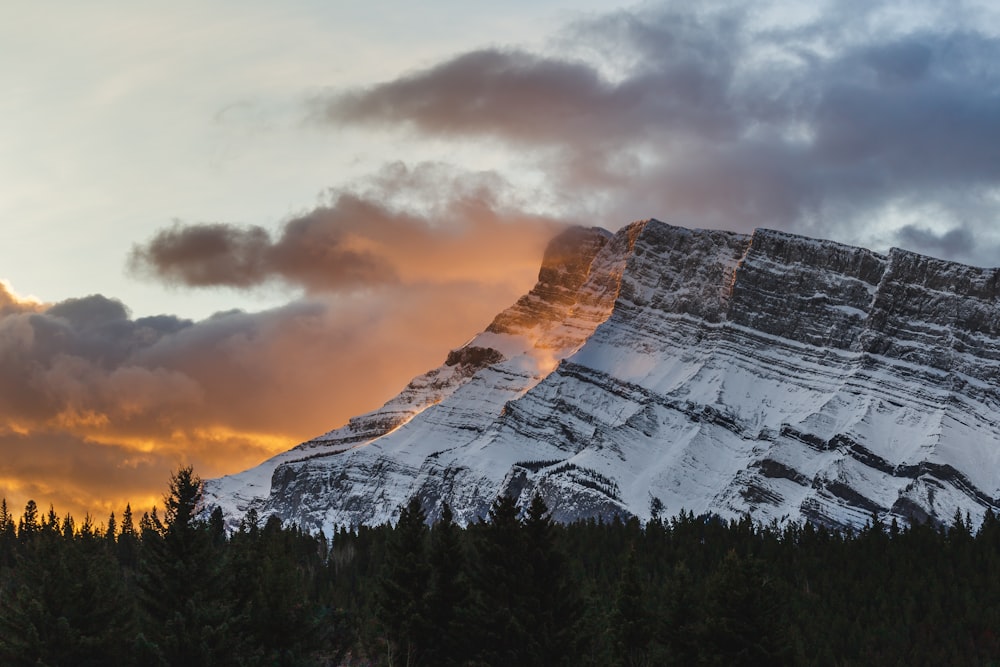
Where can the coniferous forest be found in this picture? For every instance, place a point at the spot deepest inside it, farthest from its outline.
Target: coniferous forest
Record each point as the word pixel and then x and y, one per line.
pixel 512 589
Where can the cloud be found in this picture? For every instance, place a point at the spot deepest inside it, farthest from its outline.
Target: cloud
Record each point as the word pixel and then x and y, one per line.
pixel 78 476
pixel 718 117
pixel 962 241
pixel 203 255
pixel 98 408
pixel 12 303
pixel 394 272
pixel 364 238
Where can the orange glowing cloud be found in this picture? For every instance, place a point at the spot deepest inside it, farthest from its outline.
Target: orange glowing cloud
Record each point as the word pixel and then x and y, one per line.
pixel 97 407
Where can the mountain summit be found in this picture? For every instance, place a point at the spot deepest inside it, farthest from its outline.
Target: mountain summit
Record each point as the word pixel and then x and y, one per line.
pixel 662 368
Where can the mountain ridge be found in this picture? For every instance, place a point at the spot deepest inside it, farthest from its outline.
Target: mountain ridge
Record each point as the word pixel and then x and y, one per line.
pixel 661 367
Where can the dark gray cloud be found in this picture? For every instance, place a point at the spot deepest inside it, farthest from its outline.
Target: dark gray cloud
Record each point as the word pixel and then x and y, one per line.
pixel 312 250
pixel 455 227
pixel 209 254
pixel 678 80
pixel 958 241
pixel 711 117
pixel 73 361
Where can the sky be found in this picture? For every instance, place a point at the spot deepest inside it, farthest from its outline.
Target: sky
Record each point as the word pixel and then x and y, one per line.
pixel 228 227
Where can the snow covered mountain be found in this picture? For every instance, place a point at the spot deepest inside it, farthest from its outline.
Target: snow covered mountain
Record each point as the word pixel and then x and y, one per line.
pixel 663 368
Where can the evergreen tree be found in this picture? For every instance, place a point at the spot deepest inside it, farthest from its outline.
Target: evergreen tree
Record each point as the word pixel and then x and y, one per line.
pixel 499 612
pixel 553 602
pixel 631 620
pixel 127 526
pixel 448 594
pixel 402 600
pixel 281 619
pixel 184 590
pixel 250 523
pixel 50 524
pixel 680 617
pixel 87 528
pixel 150 526
pixel 741 623
pixel 67 605
pixel 28 527
pixel 128 542
pixel 269 595
pixel 217 526
pixel 8 536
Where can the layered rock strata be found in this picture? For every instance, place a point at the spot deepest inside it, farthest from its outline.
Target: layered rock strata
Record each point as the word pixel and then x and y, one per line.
pixel 662 369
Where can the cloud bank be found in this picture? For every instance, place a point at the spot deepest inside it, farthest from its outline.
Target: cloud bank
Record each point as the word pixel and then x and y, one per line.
pixel 99 407
pixel 383 295
pixel 830 125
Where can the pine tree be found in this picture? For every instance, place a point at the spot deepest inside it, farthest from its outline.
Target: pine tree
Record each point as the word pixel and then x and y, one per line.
pixel 184 591
pixel 402 600
pixel 553 603
pixel 27 527
pixel 50 524
pixel 111 532
pixel 741 625
pixel 67 606
pixel 8 536
pixel 87 528
pixel 680 617
pixel 128 541
pixel 631 620
pixel 448 594
pixel 127 526
pixel 217 526
pixel 150 526
pixel 281 618
pixel 250 523
pixel 501 575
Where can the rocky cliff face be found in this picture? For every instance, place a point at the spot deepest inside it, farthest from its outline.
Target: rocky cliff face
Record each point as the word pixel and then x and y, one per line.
pixel 662 369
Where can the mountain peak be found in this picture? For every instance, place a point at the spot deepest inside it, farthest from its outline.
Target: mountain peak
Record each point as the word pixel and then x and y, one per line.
pixel 767 373
pixel 566 266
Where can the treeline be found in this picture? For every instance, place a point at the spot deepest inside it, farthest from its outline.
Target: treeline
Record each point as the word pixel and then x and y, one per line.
pixel 512 589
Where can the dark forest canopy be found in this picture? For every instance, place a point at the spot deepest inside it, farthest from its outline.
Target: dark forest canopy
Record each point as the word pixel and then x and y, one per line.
pixel 512 589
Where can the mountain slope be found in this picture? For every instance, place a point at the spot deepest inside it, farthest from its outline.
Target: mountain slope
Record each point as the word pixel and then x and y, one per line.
pixel 662 369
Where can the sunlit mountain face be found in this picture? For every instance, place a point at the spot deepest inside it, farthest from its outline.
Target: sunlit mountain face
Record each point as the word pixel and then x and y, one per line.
pixel 662 369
